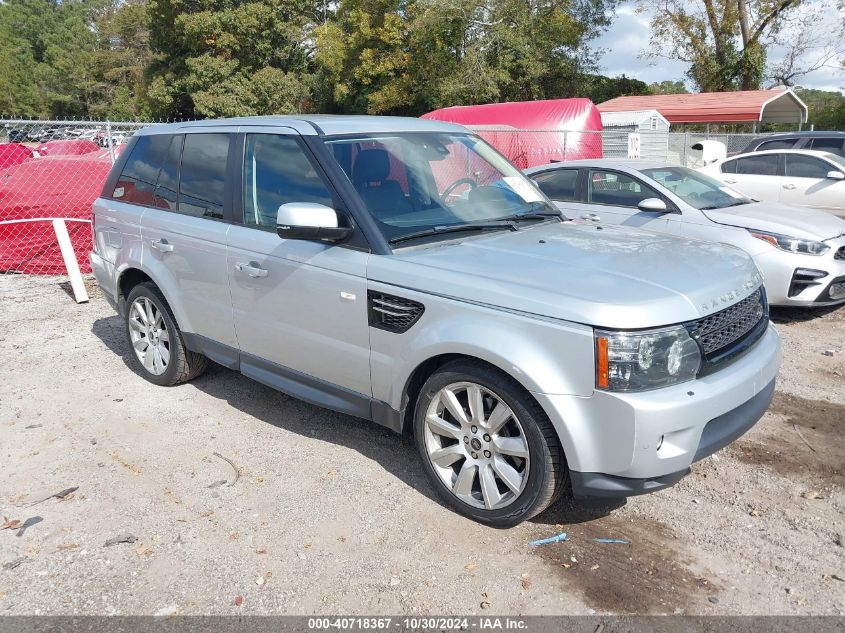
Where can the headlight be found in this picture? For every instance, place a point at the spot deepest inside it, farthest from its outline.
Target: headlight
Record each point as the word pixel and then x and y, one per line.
pixel 639 361
pixel 791 244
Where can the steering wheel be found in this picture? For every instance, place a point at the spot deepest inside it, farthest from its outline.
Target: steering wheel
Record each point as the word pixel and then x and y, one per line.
pixel 460 181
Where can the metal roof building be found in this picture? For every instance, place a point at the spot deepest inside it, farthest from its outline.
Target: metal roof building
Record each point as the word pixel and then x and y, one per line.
pixel 746 106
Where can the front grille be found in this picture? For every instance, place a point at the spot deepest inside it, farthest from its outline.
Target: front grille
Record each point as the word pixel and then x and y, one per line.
pixel 840 254
pixel 720 333
pixel 392 313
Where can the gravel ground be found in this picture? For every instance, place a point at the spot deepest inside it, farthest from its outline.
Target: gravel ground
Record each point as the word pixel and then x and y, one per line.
pixel 330 514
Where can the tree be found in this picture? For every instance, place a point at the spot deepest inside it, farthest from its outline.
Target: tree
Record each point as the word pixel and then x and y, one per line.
pixel 668 87
pixel 229 57
pixel 826 108
pixel 410 56
pixel 724 41
pixel 600 88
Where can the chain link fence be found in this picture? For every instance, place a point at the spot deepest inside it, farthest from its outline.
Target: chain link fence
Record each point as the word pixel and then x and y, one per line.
pixel 55 170
pixel 52 170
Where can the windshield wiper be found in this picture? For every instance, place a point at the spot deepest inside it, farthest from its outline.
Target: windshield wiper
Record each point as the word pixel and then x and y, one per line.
pixel 533 215
pixel 454 228
pixel 732 204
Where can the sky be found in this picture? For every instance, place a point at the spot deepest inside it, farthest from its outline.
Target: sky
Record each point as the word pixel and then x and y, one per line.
pixel 628 37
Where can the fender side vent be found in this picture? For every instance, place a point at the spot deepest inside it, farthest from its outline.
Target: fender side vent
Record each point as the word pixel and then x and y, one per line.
pixel 392 313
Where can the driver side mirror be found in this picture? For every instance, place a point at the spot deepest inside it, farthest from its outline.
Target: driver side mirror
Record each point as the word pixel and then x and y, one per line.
pixel 835 175
pixel 652 205
pixel 310 221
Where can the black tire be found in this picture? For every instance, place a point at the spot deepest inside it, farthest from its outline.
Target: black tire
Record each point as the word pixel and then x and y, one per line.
pixel 184 365
pixel 547 470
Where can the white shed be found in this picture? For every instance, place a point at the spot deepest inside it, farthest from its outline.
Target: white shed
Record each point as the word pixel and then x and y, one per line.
pixel 652 127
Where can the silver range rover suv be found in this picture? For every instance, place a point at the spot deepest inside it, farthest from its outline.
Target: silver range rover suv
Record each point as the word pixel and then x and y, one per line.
pixel 402 271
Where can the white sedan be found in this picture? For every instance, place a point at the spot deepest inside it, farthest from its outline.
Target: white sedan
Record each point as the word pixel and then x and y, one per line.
pixel 801 253
pixel 798 177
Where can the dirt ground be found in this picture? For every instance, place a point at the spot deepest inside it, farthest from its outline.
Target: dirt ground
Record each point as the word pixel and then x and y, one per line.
pixel 331 514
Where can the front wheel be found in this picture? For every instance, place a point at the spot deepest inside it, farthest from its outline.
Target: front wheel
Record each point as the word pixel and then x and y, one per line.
pixel 486 445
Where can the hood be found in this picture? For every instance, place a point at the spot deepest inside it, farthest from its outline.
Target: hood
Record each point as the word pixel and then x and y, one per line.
pixel 607 276
pixel 780 218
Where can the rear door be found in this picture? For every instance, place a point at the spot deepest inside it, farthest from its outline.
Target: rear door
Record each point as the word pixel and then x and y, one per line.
pixel 805 184
pixel 756 175
pixel 184 236
pixel 300 307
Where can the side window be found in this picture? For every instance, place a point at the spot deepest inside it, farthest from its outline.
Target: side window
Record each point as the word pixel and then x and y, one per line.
pixel 729 167
pixel 764 165
pixel 560 184
pixel 277 171
pixel 167 187
pixel 832 145
pixel 798 166
pixel 606 187
pixel 202 175
pixel 137 181
pixel 782 143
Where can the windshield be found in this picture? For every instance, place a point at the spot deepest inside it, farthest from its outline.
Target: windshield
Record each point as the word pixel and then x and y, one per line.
pixel 839 160
pixel 696 189
pixel 414 182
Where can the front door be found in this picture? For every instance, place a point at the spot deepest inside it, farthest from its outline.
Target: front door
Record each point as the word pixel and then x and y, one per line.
pixel 300 307
pixel 805 184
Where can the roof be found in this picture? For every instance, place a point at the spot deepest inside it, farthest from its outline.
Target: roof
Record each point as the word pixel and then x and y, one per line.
pixel 315 124
pixel 546 114
pixel 806 152
pixel 635 164
pixel 770 106
pixel 629 117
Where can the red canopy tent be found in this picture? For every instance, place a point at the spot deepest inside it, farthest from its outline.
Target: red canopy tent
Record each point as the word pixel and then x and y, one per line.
pixel 532 133
pixel 70 147
pixel 59 187
pixel 12 154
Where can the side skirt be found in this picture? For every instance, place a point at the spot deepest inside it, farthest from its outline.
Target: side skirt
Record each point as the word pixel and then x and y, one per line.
pixel 297 384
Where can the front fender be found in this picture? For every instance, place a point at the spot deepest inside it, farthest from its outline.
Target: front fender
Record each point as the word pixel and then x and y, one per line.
pixel 543 355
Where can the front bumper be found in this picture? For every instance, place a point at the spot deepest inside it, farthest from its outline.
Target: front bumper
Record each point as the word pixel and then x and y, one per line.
pixel 779 271
pixel 718 433
pixel 620 444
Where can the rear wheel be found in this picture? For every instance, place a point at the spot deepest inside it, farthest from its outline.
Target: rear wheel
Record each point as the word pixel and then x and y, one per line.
pixel 487 446
pixel 158 349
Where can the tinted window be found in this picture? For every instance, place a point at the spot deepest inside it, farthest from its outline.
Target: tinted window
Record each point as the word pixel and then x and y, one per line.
pixel 832 145
pixel 167 187
pixel 766 165
pixel 784 143
pixel 799 166
pixel 277 171
pixel 202 174
pixel 729 167
pixel 605 187
pixel 138 178
pixel 559 184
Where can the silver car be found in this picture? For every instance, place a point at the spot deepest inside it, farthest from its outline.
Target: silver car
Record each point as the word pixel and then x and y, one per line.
pixel 402 271
pixel 800 252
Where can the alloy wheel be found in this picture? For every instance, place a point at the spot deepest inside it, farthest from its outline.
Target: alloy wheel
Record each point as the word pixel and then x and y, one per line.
pixel 476 445
pixel 149 335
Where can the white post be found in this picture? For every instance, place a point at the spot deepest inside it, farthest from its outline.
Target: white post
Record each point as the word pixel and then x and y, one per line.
pixel 109 141
pixel 76 283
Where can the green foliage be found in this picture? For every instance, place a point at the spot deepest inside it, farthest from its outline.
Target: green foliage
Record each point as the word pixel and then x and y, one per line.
pixel 668 87
pixel 599 88
pixel 827 109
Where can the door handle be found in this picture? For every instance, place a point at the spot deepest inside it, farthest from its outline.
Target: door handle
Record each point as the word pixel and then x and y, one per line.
pixel 592 217
pixel 162 245
pixel 790 186
pixel 252 269
pixel 730 181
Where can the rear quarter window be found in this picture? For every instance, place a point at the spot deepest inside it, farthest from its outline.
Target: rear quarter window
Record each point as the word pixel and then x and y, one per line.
pixel 136 183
